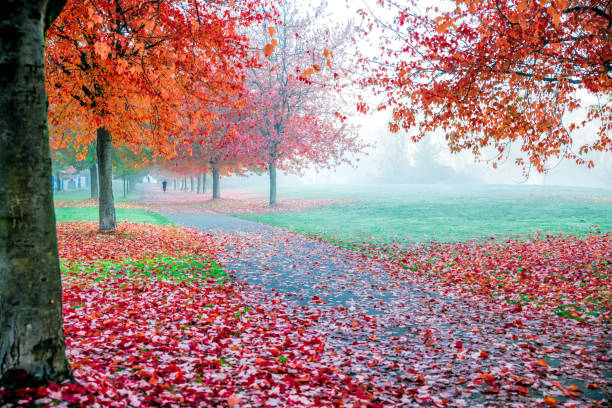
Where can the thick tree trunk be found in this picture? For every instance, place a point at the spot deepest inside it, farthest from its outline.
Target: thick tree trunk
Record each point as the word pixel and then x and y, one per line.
pixel 216 187
pixel 107 220
pixel 199 190
pixel 203 183
pixel 191 179
pixel 32 347
pixel 93 183
pixel 272 171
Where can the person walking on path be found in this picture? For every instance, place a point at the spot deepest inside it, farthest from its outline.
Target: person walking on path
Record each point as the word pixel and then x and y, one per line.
pixel 164 185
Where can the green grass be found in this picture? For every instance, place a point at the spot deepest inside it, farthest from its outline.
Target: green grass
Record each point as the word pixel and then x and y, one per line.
pixel 64 214
pixel 444 213
pixel 189 269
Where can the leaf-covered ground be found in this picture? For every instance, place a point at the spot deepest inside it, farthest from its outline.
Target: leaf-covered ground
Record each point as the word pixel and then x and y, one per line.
pixel 152 319
pixel 432 334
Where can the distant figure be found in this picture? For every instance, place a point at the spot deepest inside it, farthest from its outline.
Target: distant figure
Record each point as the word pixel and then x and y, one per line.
pixel 164 185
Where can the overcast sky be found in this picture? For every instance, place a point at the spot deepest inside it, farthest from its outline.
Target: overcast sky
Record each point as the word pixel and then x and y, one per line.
pixel 374 129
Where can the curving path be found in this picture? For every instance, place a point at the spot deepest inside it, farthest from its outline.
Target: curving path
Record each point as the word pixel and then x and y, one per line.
pixel 406 335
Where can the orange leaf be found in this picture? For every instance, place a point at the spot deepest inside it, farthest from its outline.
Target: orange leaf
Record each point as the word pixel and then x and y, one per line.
pixel 272 31
pixel 268 50
pixel 487 377
pixel 542 363
pixel 233 400
pixel 550 401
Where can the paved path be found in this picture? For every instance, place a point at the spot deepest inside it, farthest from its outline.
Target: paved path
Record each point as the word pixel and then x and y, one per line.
pixel 402 332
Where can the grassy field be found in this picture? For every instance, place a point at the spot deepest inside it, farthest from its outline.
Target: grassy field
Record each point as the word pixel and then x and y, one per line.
pixel 444 213
pixel 64 214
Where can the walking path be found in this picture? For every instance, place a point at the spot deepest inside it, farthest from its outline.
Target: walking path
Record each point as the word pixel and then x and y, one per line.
pixel 404 335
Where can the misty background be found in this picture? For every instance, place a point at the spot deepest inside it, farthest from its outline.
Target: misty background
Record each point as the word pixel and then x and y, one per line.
pixel 395 159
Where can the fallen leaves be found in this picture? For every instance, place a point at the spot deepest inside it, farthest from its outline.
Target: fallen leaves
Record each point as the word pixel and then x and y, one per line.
pixel 149 322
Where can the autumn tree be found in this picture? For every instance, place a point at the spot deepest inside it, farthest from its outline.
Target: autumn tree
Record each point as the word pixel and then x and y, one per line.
pixel 81 158
pixel 497 73
pixel 120 71
pixel 221 144
pixel 32 346
pixel 297 118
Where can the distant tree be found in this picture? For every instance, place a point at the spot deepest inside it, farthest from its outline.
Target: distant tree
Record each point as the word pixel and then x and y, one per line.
pixel 297 118
pixel 492 73
pixel 81 158
pixel 32 346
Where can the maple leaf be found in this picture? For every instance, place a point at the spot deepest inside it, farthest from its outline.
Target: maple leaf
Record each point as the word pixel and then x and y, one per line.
pixel 102 49
pixel 268 50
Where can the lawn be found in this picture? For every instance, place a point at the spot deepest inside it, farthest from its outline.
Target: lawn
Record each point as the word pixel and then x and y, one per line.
pixel 65 214
pixel 444 213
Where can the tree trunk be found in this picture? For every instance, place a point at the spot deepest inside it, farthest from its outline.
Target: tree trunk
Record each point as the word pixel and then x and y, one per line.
pixel 199 190
pixel 203 183
pixel 191 179
pixel 78 182
pixel 58 181
pixel 107 218
pixel 93 176
pixel 124 187
pixel 272 171
pixel 216 192
pixel 174 182
pixel 32 346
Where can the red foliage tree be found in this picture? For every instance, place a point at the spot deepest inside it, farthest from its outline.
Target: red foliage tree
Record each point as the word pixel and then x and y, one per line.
pixel 297 120
pixel 124 68
pixel 495 72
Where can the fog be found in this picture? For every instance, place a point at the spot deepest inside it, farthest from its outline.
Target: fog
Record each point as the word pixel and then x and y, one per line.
pixel 395 159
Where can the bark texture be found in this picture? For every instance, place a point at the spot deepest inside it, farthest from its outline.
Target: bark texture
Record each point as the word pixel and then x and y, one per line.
pixel 93 180
pixel 32 346
pixel 203 183
pixel 272 171
pixel 107 220
pixel 199 190
pixel 216 186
